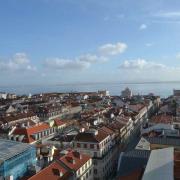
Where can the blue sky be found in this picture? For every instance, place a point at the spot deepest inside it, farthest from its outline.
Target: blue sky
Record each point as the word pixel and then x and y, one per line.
pixel 76 41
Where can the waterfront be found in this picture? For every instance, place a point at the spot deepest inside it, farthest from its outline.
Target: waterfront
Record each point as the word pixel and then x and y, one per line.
pixel 164 89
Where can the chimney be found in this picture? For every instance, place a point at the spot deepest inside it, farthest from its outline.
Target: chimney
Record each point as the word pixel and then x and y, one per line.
pixel 61 174
pixel 77 154
pixel 95 132
pixel 70 159
pixel 58 172
pixel 23 125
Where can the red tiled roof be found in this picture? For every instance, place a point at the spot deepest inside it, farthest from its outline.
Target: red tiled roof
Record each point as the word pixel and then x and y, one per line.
pixel 123 119
pixel 177 165
pixel 58 122
pixel 107 130
pixel 29 131
pixel 51 173
pixel 78 158
pixel 166 119
pixel 15 117
pixel 90 137
pixel 136 107
pixel 116 125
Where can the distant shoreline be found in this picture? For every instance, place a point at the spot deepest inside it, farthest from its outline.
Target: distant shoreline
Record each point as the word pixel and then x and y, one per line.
pixel 90 83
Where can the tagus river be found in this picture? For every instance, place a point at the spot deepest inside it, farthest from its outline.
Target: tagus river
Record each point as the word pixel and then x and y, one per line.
pixel 163 89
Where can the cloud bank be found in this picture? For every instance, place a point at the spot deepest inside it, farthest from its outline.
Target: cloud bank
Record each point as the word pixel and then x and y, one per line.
pixel 18 62
pixel 141 64
pixel 84 61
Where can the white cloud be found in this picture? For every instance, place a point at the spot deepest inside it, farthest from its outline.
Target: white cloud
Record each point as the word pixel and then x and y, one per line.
pixel 86 60
pixel 116 17
pixel 178 55
pixel 143 70
pixel 19 62
pixel 170 14
pixel 141 64
pixel 143 27
pixel 31 68
pixel 148 44
pixel 166 17
pixel 65 64
pixel 20 58
pixel 92 58
pixel 112 49
pixel 79 63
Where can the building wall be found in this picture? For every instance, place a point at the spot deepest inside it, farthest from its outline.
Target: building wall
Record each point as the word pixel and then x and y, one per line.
pixel 105 159
pixel 18 165
pixel 161 146
pixel 86 171
pixel 105 167
pixel 94 149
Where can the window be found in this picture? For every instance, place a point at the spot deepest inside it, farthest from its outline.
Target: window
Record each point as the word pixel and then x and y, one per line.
pixel 92 146
pixel 95 171
pixel 97 146
pixel 95 154
pixel 95 162
pixel 78 145
pixel 85 145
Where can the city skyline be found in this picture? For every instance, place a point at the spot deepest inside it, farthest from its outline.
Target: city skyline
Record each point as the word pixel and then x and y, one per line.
pixel 58 41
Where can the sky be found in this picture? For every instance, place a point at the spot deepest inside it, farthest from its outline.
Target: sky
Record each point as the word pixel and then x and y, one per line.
pixel 89 41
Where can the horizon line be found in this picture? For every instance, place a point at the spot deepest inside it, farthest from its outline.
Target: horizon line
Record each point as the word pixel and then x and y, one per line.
pixel 91 83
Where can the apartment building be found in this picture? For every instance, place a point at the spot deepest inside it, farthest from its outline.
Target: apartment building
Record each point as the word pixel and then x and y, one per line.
pixel 33 134
pixel 15 159
pixel 98 144
pixel 71 166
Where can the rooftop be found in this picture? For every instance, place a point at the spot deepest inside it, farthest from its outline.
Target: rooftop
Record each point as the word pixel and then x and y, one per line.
pixel 90 137
pixel 74 160
pixel 29 131
pixel 16 116
pixel 160 165
pixel 9 149
pixel 163 140
pixel 135 175
pixel 53 172
pixel 166 119
pixel 136 107
pixel 133 160
pixel 59 122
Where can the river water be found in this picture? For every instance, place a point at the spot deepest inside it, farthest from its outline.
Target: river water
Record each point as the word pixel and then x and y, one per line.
pixel 161 89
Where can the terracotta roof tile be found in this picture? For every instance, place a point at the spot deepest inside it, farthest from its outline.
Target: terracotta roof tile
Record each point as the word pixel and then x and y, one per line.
pixel 177 165
pixel 166 119
pixel 136 107
pixel 29 131
pixel 90 137
pixel 52 173
pixel 107 130
pixel 15 117
pixel 74 160
pixel 58 122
